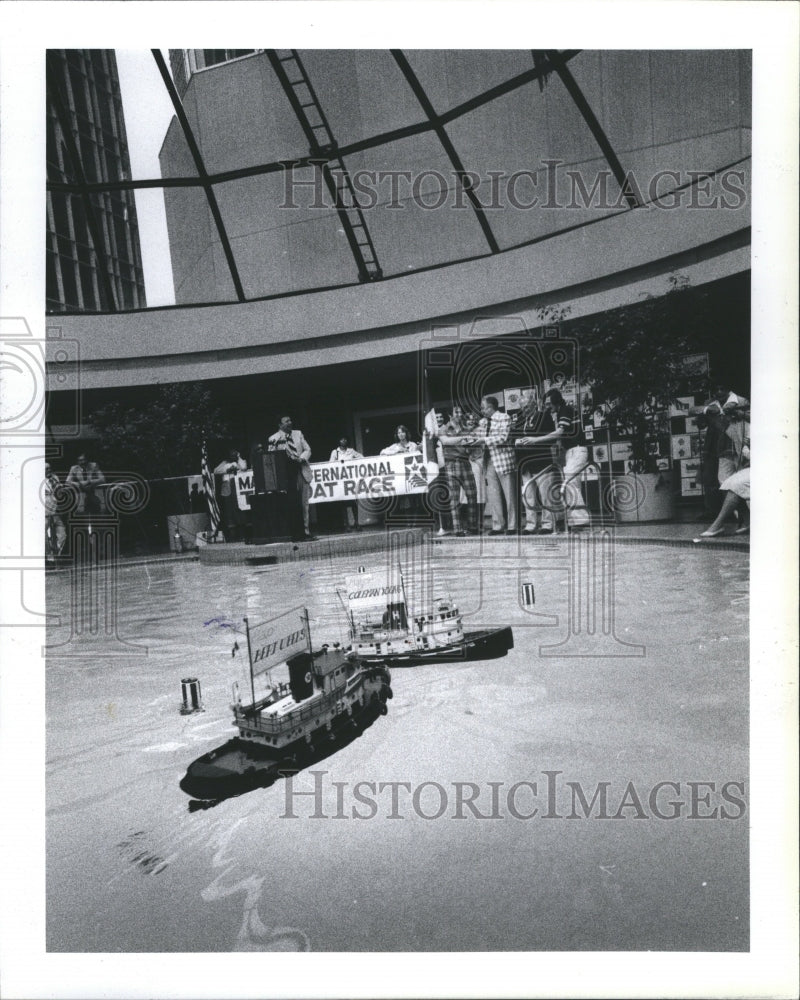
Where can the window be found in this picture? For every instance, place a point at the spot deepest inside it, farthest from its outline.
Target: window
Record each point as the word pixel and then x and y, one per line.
pixel 213 57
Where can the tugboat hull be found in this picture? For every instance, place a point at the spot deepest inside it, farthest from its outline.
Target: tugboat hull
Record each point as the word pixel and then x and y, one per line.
pixel 240 766
pixel 486 644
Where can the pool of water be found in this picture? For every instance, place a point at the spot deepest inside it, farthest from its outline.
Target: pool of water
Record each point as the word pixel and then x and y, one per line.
pixel 609 707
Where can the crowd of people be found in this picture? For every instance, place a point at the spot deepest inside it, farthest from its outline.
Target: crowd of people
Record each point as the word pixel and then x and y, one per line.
pixel 522 469
pixel 518 468
pixel 482 459
pixel 84 480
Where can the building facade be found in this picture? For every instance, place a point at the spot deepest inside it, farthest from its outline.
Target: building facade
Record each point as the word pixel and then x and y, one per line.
pixel 304 334
pixel 93 255
pixel 184 63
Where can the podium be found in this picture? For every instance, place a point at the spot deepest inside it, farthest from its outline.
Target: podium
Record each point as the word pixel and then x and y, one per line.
pixel 273 479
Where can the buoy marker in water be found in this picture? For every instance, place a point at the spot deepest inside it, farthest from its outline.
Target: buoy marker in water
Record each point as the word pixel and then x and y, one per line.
pixel 190 691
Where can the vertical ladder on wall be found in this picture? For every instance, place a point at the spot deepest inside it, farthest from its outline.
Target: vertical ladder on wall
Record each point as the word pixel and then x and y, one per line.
pixel 293 78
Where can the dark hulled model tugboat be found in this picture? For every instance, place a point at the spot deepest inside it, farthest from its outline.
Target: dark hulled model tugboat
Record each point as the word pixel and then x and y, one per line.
pixel 285 722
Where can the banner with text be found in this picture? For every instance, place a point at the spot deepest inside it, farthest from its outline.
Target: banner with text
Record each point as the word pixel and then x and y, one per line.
pixel 373 590
pixel 274 641
pixel 359 479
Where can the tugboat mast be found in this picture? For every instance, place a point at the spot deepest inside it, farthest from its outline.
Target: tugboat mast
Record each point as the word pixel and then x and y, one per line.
pixel 250 663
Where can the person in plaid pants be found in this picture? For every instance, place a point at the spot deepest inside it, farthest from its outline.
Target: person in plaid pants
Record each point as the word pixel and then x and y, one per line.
pixel 501 466
pixel 455 440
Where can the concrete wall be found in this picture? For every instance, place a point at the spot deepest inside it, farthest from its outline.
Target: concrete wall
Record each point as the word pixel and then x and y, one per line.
pixel 612 263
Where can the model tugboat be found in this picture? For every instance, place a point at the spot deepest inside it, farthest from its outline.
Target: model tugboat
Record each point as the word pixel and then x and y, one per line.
pixel 300 701
pixel 382 632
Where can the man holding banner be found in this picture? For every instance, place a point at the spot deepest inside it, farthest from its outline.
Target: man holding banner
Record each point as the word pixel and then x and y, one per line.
pixel 344 453
pixel 232 516
pixel 501 467
pixel 455 441
pixel 570 456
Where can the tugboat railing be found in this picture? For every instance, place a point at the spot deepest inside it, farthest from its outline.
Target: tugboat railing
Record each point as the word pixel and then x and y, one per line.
pixel 275 726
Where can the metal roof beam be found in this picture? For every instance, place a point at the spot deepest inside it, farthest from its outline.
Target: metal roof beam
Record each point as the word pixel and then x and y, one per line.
pixel 449 148
pixel 381 139
pixel 577 95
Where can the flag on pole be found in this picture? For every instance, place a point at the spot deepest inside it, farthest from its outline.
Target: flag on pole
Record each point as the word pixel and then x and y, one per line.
pixel 208 486
pixel 430 422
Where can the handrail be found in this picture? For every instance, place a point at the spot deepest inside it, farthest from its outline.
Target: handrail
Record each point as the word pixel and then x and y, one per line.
pixel 275 726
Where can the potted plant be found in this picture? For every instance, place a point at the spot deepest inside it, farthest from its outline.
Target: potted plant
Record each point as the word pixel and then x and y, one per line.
pixel 633 360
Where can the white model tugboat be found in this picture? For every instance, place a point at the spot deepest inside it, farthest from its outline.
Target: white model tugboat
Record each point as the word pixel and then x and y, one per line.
pixel 299 702
pixel 382 631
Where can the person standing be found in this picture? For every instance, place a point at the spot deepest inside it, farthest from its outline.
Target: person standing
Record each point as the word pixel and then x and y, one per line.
pixel 344 453
pixel 234 517
pixel 570 455
pixel 501 467
pixel 439 492
pixel 297 450
pixel 455 441
pixel 736 424
pixel 475 451
pixel 86 477
pixel 539 475
pixel 55 534
pixel 406 505
pixel 402 443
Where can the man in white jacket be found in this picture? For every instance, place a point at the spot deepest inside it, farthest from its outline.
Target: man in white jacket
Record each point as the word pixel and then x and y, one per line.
pixel 291 441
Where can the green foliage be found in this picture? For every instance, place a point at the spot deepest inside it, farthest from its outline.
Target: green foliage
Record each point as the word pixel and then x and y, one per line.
pixel 162 437
pixel 633 357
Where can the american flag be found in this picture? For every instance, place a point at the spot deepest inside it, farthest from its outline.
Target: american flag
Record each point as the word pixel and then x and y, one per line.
pixel 208 486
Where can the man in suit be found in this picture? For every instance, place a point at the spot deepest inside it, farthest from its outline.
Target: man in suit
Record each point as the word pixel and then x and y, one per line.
pixel 298 451
pixel 501 467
